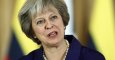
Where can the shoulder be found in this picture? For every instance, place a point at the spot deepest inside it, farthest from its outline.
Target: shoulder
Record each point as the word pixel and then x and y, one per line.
pixel 83 53
pixel 32 55
pixel 28 56
pixel 90 54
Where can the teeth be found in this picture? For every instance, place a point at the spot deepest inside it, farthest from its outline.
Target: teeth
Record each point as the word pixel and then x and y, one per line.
pixel 52 34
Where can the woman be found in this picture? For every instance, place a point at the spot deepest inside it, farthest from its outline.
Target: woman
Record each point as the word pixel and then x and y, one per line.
pixel 44 21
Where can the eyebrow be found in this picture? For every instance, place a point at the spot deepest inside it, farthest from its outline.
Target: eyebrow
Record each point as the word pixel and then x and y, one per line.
pixel 50 14
pixel 39 19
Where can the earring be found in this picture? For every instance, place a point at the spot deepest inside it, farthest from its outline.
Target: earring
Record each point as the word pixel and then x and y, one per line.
pixel 35 37
pixel 64 27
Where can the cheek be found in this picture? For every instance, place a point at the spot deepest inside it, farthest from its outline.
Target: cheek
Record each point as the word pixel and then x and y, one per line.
pixel 39 31
pixel 60 24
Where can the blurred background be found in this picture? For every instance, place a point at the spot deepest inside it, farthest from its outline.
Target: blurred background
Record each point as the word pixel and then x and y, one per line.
pixel 91 21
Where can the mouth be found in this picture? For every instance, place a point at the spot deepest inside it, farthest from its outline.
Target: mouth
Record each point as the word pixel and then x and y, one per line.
pixel 52 34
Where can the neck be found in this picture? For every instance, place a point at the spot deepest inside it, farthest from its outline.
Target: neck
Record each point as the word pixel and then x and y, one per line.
pixel 58 52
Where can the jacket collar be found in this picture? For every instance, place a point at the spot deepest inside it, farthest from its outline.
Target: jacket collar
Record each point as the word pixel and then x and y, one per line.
pixel 39 54
pixel 74 49
pixel 73 52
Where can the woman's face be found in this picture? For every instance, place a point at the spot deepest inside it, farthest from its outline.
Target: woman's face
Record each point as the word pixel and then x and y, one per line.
pixel 48 27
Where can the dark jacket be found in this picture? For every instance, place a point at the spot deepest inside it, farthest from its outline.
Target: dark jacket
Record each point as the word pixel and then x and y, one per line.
pixel 75 52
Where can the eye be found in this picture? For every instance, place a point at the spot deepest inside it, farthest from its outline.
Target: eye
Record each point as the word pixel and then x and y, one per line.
pixel 40 22
pixel 53 17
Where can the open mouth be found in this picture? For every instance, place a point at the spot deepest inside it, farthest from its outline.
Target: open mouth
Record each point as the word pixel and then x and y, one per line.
pixel 52 34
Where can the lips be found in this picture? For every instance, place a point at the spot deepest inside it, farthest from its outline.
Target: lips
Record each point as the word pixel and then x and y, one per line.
pixel 52 34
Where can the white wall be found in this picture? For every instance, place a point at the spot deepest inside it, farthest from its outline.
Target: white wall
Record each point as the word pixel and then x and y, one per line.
pixel 69 29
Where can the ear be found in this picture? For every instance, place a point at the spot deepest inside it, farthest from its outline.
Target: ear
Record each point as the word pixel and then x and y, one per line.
pixel 35 37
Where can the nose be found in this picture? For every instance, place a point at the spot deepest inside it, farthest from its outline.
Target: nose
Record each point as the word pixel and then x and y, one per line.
pixel 49 25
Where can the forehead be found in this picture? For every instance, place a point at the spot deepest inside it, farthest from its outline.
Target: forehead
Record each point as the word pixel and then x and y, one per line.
pixel 44 10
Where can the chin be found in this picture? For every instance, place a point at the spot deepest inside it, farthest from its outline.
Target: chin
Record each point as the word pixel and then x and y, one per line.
pixel 53 43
